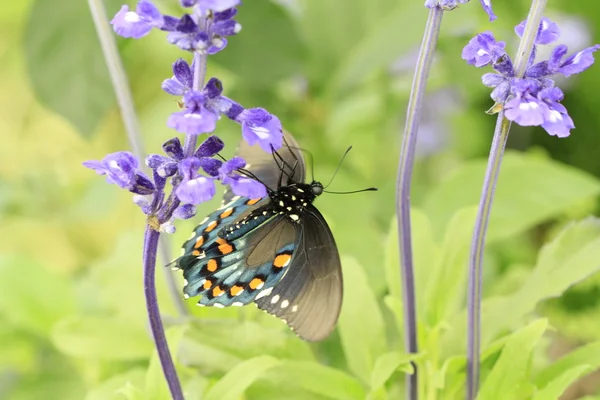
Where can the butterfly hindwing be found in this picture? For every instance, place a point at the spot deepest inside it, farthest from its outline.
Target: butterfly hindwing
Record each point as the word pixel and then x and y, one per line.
pixel 309 297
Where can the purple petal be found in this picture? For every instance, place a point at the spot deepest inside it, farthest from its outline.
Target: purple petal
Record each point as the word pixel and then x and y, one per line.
pixel 211 146
pixel 225 15
pixel 556 57
pixel 247 187
pixel 183 73
pixel 526 111
pixel 492 80
pixel 217 5
pixel 148 11
pixel 258 126
pixel 96 165
pixel 226 28
pixel 129 24
pixel 487 7
pixel 196 191
pixel 188 168
pixel 558 122
pixel 174 87
pixel 185 211
pixel 120 168
pixel 213 88
pixel 141 184
pixel 193 123
pixel 188 3
pixel 186 25
pixel 173 149
pixel 538 70
pixel 579 61
pixel 211 166
pixel 483 50
pixel 501 92
pixel 154 161
pixel 217 44
pixel 232 165
pixel 548 32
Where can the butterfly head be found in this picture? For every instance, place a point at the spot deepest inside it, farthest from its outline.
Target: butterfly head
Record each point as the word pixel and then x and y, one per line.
pixel 316 188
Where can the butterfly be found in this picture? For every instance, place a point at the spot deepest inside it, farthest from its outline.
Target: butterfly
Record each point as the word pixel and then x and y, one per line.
pixel 276 251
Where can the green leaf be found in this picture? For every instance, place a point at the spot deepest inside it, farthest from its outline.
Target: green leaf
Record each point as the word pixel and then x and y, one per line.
pixel 584 355
pixel 511 369
pixel 524 180
pixel 449 274
pixel 101 338
pixel 31 297
pixel 156 385
pixel 235 382
pixel 387 364
pixel 320 380
pixel 114 388
pixel 361 326
pixel 67 69
pixel 571 257
pixel 557 387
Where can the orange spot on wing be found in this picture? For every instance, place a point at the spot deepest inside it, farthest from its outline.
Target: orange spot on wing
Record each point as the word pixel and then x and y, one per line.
pixel 199 242
pixel 227 213
pixel 212 265
pixel 255 283
pixel 207 284
pixel 217 291
pixel 251 202
pixel 235 290
pixel 221 241
pixel 282 260
pixel 196 253
pixel 225 248
pixel 211 226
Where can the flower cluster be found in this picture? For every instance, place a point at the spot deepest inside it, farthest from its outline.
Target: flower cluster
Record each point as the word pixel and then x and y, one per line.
pixel 452 4
pixel 531 99
pixel 192 171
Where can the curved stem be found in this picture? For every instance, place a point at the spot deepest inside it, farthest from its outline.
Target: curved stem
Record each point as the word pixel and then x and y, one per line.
pixel 403 182
pixel 158 332
pixel 485 206
pixel 125 101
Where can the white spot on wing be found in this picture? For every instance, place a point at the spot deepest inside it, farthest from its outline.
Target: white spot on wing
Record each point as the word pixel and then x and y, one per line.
pixel 275 299
pixel 237 304
pixel 294 217
pixel 285 303
pixel 289 208
pixel 281 203
pixel 264 293
pixel 217 305
pixel 295 308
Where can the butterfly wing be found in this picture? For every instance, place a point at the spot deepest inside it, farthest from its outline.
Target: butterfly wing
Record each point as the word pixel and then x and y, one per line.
pixel 269 167
pixel 234 270
pixel 309 297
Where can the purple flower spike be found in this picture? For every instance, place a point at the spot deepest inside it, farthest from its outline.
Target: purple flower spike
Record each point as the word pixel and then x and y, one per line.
pixel 258 126
pixel 137 24
pixel 557 120
pixel 483 50
pixel 211 146
pixel 578 62
pixel 548 32
pixel 181 81
pixel 217 5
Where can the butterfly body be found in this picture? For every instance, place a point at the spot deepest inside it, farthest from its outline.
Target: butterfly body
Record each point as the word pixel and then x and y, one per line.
pixel 276 251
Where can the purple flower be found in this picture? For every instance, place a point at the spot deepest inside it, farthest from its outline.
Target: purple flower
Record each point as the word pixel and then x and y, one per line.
pixel 121 168
pixel 240 185
pixel 548 32
pixel 217 5
pixel 182 79
pixel 447 5
pixel 258 126
pixel 195 119
pixel 483 50
pixel 137 24
pixel 185 211
pixel 532 100
pixel 194 188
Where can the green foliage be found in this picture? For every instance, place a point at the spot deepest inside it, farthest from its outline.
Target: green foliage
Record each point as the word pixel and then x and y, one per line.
pixel 338 73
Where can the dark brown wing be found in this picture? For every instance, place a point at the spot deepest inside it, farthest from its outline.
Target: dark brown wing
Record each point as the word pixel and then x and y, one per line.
pixel 268 167
pixel 309 297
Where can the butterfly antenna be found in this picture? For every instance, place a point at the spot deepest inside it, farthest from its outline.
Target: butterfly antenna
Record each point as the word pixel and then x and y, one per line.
pixel 371 189
pixel 338 167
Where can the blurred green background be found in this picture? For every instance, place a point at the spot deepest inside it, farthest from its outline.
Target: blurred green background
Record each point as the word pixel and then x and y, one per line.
pixel 337 73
